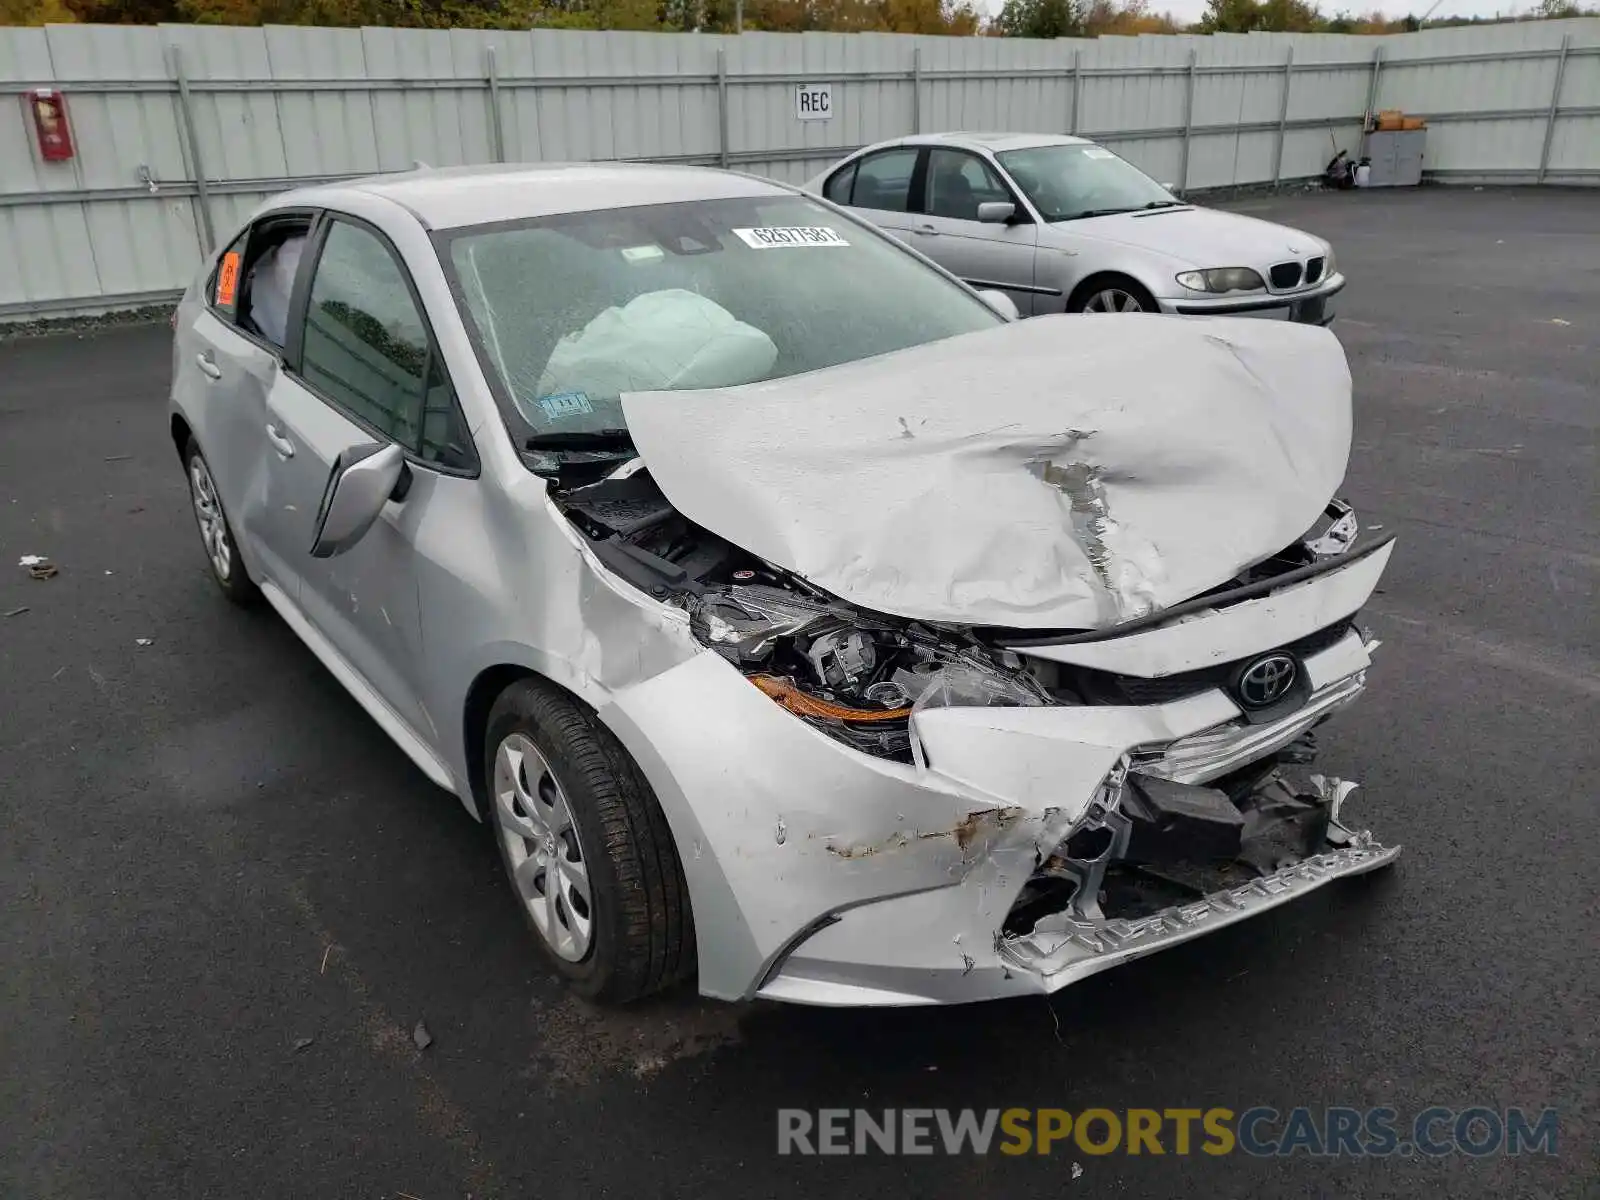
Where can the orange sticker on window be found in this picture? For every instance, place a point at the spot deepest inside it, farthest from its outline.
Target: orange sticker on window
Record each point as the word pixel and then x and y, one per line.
pixel 228 278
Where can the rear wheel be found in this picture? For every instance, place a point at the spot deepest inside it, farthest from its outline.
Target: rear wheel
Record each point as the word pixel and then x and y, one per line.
pixel 1111 294
pixel 215 532
pixel 586 847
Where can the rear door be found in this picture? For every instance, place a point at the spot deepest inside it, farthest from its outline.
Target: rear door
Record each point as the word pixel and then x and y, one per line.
pixel 879 187
pixel 224 370
pixel 947 230
pixel 365 370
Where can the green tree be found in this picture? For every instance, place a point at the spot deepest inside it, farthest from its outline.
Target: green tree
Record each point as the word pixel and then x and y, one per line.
pixel 1039 19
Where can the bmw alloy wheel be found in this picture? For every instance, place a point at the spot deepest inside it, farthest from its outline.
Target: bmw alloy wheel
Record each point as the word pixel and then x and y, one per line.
pixel 548 864
pixel 1113 300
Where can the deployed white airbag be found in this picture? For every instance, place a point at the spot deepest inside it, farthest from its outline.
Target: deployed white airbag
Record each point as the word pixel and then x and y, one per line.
pixel 661 340
pixel 1060 472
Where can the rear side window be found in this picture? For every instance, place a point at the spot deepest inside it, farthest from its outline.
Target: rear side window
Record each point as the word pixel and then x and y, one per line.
pixel 368 350
pixel 222 289
pixel 838 188
pixel 883 181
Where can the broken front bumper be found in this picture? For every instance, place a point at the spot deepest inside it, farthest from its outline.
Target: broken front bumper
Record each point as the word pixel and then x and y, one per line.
pixel 821 875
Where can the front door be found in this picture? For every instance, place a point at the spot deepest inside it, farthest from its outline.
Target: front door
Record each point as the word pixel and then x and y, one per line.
pixel 992 255
pixel 366 371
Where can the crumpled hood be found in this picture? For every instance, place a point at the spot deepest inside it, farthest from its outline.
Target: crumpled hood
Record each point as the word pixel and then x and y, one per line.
pixel 1201 237
pixel 1059 472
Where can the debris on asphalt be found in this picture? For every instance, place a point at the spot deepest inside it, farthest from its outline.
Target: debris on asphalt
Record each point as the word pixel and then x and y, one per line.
pixel 118 457
pixel 1559 321
pixel 38 566
pixel 1077 1171
pixel 302 1044
pixel 421 1036
pixel 144 641
pixel 17 612
pixel 323 969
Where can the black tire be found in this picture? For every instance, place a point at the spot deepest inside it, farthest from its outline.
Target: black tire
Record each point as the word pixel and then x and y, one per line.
pixel 1096 284
pixel 234 579
pixel 642 938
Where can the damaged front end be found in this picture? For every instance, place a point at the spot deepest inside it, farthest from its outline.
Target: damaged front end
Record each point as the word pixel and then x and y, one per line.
pixel 1155 863
pixel 987 812
pixel 854 675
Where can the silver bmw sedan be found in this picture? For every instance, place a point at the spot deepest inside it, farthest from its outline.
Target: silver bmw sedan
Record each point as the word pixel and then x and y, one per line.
pixel 1061 224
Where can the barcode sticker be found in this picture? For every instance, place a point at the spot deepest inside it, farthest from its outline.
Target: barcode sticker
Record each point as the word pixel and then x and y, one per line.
pixel 775 237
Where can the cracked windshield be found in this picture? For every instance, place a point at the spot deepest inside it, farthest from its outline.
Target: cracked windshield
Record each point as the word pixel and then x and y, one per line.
pixel 571 311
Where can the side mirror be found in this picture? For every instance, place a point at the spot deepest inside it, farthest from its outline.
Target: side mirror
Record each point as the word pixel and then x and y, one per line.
pixel 996 212
pixel 1001 303
pixel 362 481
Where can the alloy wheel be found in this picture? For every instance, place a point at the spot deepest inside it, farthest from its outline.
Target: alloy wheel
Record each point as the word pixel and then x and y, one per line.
pixel 1113 300
pixel 548 866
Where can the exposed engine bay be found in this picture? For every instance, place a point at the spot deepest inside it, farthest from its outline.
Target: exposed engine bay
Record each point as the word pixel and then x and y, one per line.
pixel 856 675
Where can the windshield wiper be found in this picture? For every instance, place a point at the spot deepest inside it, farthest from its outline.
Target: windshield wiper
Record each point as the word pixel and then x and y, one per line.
pixel 577 456
pixel 1094 212
pixel 618 440
pixel 1166 204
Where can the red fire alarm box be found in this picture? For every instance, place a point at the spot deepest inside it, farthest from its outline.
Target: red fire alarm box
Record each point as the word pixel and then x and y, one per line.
pixel 50 124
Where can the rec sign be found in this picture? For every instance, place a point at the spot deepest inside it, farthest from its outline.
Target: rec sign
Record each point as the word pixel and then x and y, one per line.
pixel 813 101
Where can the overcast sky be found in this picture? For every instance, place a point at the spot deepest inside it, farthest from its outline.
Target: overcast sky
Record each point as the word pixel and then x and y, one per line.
pixel 1190 10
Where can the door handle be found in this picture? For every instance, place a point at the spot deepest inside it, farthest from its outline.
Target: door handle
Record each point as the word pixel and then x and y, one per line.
pixel 926 231
pixel 208 364
pixel 280 443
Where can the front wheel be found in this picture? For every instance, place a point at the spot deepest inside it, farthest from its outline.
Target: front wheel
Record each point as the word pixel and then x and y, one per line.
pixel 586 847
pixel 1112 294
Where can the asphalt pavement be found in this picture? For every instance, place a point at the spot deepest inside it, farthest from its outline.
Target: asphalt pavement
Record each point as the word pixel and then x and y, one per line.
pixel 226 899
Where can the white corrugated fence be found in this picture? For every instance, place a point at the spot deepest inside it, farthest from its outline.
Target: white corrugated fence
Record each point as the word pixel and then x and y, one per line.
pixel 181 130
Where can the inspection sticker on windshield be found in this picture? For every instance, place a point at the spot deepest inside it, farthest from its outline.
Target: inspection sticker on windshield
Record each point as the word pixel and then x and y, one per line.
pixel 773 237
pixel 565 404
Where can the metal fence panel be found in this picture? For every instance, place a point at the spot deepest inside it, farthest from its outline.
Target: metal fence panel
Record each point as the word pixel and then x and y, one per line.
pixel 182 130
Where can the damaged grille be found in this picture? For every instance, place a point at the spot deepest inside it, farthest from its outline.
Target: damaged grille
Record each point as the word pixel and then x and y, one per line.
pixel 1148 845
pixel 1107 687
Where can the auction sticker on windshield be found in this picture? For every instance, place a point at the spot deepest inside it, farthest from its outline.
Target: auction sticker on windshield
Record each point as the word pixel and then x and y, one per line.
pixel 772 237
pixel 565 404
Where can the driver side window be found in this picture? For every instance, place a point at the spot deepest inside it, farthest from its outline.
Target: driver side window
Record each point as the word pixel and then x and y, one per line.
pixel 368 350
pixel 958 182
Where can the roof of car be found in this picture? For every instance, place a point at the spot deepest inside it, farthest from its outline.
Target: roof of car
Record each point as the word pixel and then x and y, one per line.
pixel 996 142
pixel 450 197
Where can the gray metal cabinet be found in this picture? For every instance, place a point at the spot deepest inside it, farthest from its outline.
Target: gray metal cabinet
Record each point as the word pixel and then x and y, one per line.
pixel 1396 156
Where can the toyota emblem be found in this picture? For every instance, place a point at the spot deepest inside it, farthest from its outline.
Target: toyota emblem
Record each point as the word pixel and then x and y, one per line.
pixel 1267 680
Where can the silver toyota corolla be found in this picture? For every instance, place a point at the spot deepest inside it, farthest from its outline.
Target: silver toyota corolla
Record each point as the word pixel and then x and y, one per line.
pixel 814 647
pixel 1063 225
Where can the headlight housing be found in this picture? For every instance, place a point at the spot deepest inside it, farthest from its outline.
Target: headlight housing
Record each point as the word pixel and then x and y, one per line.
pixel 853 675
pixel 1223 279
